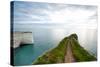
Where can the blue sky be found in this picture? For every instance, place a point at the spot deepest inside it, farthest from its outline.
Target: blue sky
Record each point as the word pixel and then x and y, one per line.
pixel 52 13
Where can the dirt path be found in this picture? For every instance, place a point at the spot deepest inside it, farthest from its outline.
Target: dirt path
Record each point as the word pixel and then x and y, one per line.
pixel 69 56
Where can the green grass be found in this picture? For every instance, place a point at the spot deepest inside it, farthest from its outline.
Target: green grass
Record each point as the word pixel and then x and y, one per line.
pixel 54 56
pixel 80 53
pixel 57 54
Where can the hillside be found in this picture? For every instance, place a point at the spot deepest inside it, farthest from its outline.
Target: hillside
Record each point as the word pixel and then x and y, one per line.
pixel 67 51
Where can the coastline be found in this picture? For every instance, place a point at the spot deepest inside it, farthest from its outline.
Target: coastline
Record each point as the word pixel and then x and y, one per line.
pixel 22 38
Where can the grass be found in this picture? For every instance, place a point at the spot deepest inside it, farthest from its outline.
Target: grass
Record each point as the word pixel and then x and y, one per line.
pixel 54 56
pixel 57 55
pixel 80 53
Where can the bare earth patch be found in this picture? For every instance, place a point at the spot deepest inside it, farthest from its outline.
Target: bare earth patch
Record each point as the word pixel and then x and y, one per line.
pixel 69 55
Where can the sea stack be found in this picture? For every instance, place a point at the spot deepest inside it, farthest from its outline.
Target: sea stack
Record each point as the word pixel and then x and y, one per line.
pixel 20 38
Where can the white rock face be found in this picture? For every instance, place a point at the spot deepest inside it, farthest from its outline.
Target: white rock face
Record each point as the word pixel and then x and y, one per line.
pixel 22 38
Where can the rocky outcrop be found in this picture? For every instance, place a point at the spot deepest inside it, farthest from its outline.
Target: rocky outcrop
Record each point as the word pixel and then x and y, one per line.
pixel 22 38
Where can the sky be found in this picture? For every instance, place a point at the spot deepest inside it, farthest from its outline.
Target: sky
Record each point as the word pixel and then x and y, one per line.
pixel 79 19
pixel 54 14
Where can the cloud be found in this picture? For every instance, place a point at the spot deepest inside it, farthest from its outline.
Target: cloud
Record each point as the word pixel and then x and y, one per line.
pixel 34 12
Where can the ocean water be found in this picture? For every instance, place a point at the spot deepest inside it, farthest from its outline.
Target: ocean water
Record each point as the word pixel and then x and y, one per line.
pixel 46 38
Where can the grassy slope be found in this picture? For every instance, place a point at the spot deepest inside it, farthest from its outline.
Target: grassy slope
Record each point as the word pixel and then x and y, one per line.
pixel 57 55
pixel 80 53
pixel 54 56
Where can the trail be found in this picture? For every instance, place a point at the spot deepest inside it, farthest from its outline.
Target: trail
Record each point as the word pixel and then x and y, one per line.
pixel 69 55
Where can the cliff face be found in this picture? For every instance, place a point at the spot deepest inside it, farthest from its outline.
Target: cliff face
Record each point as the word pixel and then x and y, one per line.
pixel 57 55
pixel 22 38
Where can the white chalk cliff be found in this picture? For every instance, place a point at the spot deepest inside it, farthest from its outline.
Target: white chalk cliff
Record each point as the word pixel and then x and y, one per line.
pixel 22 38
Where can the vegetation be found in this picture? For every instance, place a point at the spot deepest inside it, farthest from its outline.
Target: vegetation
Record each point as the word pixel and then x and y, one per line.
pixel 54 56
pixel 57 55
pixel 80 53
pixel 73 36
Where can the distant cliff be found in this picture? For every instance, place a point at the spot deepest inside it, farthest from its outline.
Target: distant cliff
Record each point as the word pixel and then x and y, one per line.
pixel 21 38
pixel 58 54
